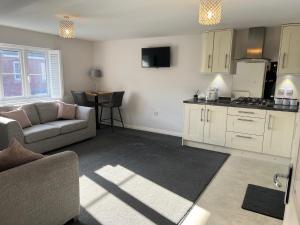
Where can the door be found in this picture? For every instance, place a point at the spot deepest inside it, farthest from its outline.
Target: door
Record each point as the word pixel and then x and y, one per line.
pixel 222 51
pixel 289 56
pixel 215 125
pixel 207 41
pixel 193 122
pixel 279 130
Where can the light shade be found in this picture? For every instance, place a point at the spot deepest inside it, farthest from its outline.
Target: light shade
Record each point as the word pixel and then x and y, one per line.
pixel 210 12
pixel 95 73
pixel 66 28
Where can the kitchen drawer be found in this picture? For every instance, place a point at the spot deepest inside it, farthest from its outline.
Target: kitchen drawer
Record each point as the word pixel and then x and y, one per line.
pixel 258 113
pixel 246 142
pixel 246 125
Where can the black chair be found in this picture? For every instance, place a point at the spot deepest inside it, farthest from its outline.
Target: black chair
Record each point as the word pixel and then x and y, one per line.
pixel 115 101
pixel 81 99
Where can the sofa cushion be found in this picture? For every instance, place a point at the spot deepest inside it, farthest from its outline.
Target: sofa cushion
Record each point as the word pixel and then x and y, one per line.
pixel 40 132
pixel 32 113
pixel 66 111
pixel 18 115
pixel 47 111
pixel 7 108
pixel 16 155
pixel 68 126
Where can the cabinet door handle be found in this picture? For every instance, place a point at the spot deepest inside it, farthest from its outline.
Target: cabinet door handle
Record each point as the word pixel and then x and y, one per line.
pixel 246 137
pixel 283 60
pixel 208 63
pixel 246 120
pixel 246 112
pixel 207 115
pixel 202 115
pixel 269 122
pixel 226 58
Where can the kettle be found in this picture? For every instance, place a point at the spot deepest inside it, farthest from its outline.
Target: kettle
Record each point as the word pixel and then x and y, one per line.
pixel 212 94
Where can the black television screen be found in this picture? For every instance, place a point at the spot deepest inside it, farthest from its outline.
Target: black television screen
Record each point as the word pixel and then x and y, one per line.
pixel 156 57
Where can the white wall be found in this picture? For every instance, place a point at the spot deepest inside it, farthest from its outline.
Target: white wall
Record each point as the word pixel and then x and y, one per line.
pixel 155 90
pixel 77 55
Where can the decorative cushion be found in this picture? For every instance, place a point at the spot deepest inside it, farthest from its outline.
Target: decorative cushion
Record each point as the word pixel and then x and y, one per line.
pixel 47 111
pixel 40 132
pixel 32 113
pixel 18 115
pixel 68 126
pixel 16 155
pixel 7 108
pixel 66 111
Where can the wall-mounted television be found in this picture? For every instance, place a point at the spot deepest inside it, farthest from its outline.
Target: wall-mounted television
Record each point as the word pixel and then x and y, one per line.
pixel 156 57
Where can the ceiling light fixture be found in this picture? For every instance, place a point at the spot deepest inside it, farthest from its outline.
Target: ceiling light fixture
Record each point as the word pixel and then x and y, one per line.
pixel 210 12
pixel 66 28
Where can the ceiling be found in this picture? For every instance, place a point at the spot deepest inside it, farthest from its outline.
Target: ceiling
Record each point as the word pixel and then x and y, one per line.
pixel 119 19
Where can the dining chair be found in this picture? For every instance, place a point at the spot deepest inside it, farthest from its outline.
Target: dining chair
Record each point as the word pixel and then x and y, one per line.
pixel 115 101
pixel 80 98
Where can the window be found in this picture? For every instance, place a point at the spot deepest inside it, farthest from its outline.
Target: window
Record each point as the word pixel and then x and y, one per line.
pixel 27 72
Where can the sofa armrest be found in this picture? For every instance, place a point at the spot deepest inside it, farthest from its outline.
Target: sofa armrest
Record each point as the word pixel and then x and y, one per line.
pixel 45 191
pixel 88 114
pixel 8 129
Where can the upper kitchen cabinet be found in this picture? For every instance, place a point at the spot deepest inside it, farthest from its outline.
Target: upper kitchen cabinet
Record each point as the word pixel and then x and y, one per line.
pixel 217 51
pixel 222 51
pixel 207 40
pixel 289 56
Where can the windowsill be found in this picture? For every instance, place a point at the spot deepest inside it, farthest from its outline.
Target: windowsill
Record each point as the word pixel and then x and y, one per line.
pixel 26 100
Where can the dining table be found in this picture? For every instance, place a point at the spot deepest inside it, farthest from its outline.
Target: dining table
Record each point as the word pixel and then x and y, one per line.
pixel 97 95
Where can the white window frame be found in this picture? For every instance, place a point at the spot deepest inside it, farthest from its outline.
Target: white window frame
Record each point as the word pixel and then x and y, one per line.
pixel 16 73
pixel 26 95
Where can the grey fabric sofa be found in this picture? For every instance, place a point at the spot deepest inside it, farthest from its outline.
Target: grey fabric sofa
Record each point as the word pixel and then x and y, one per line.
pixel 43 192
pixel 47 133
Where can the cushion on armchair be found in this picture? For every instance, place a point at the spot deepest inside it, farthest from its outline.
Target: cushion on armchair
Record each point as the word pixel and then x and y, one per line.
pixel 16 155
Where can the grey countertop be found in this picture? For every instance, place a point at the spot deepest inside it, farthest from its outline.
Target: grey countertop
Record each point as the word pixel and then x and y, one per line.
pixel 228 103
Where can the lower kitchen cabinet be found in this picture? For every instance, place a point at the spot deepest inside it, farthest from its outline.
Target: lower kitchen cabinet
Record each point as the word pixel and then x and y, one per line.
pixel 248 142
pixel 278 136
pixel 215 125
pixel 194 122
pixel 262 131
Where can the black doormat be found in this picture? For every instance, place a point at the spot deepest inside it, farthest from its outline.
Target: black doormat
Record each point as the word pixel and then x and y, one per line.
pixel 264 201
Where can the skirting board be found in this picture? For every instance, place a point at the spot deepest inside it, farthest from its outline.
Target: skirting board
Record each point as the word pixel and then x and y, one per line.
pixel 150 129
pixel 237 152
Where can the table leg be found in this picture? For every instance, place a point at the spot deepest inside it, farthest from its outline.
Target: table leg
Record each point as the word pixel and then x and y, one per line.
pixel 97 112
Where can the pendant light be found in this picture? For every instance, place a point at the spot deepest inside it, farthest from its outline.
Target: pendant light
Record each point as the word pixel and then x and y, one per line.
pixel 66 28
pixel 210 12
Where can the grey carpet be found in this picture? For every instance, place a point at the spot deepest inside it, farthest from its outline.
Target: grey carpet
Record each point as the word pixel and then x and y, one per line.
pixel 132 177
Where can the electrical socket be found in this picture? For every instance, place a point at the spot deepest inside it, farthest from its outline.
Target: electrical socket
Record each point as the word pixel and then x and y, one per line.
pixel 155 113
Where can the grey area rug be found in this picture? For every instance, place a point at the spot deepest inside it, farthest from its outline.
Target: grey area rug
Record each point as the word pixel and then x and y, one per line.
pixel 138 178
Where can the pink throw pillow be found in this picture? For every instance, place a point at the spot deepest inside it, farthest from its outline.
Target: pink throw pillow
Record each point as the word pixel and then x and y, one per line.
pixel 16 155
pixel 18 115
pixel 66 111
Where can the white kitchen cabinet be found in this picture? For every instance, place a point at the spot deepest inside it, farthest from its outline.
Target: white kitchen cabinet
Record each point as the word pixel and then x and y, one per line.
pixel 222 51
pixel 194 122
pixel 216 51
pixel 278 136
pixel 207 40
pixel 246 142
pixel 246 125
pixel 215 125
pixel 289 56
